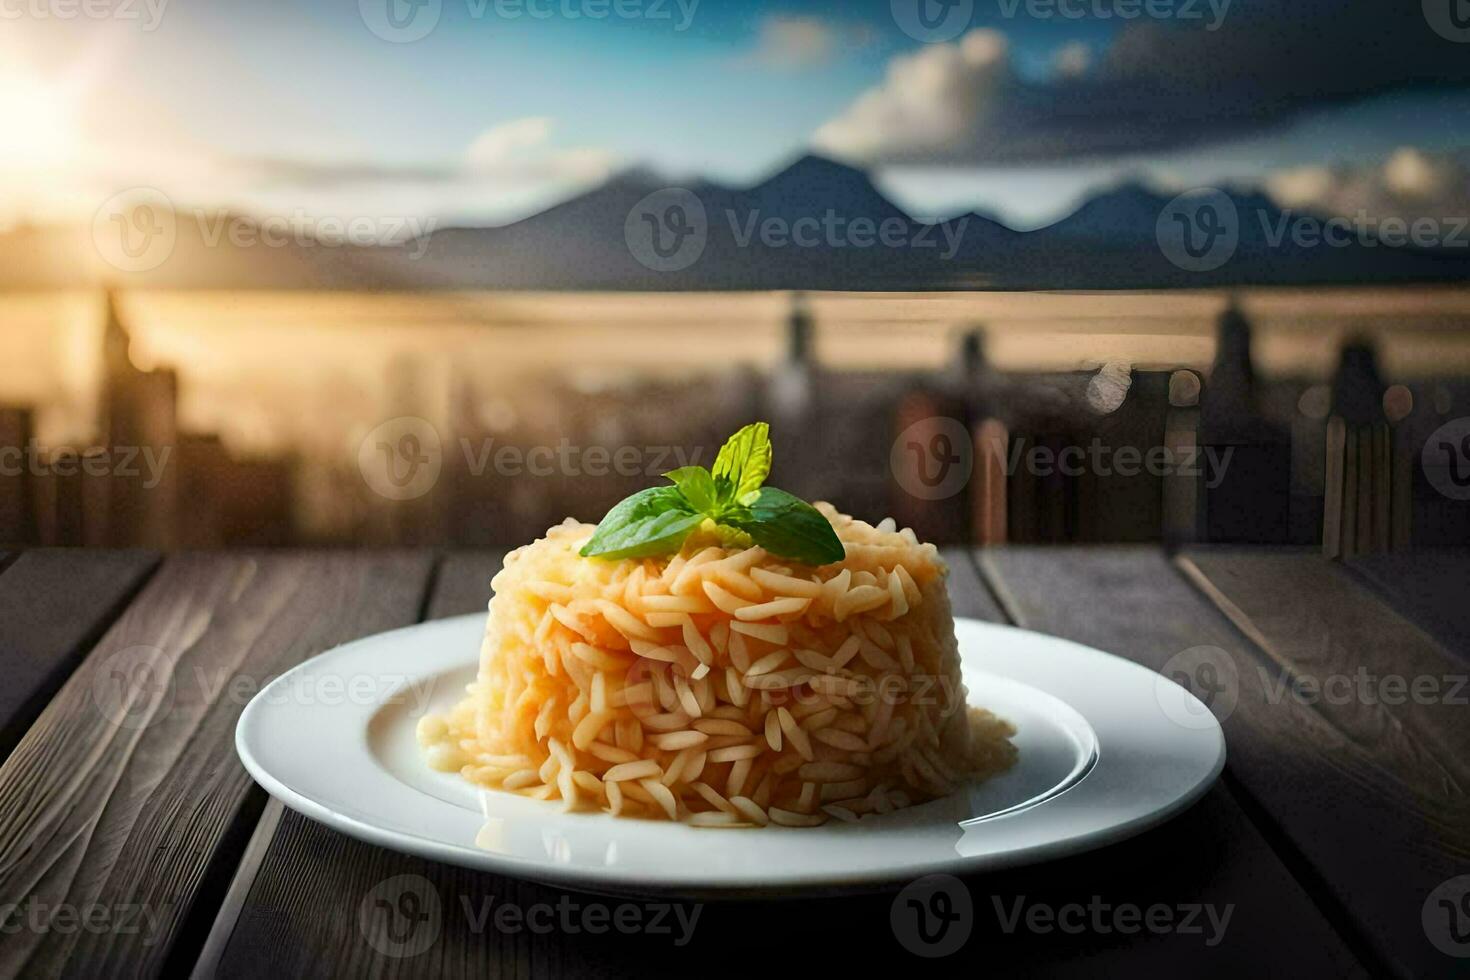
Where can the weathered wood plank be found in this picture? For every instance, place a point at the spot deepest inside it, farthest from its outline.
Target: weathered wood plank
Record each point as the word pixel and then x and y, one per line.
pixel 968 595
pixel 1333 800
pixel 126 794
pixel 1379 679
pixel 1428 588
pixel 54 604
pixel 304 917
pixel 462 584
pixel 1387 818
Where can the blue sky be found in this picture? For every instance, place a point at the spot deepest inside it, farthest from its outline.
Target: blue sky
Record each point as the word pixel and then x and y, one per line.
pixel 281 105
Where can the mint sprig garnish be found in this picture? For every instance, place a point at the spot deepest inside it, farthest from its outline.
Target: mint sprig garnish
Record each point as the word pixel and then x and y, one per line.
pixel 657 521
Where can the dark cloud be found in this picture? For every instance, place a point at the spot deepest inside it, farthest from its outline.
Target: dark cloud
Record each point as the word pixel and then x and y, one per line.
pixel 1159 85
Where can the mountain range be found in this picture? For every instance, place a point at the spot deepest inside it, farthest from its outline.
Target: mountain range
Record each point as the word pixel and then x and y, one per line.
pixel 816 224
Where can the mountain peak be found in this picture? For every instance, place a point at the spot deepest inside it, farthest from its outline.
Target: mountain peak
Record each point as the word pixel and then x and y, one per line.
pixel 814 166
pixel 817 182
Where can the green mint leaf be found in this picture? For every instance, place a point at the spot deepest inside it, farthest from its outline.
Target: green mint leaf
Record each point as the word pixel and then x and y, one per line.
pixel 788 526
pixel 651 522
pixel 697 486
pixel 745 461
pixel 724 491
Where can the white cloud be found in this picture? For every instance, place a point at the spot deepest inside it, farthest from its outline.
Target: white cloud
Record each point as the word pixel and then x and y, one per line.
pixel 499 144
pixel 1411 183
pixel 791 43
pixel 933 104
pixel 1072 60
pixel 520 151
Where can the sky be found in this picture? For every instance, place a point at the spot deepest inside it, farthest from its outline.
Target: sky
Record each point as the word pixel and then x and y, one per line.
pixel 486 110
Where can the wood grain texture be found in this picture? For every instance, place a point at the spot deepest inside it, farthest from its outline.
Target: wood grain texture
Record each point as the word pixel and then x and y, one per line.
pixel 1392 814
pixel 968 595
pixel 1428 588
pixel 304 918
pixel 1131 602
pixel 462 583
pixel 1320 627
pixel 127 795
pixel 54 604
pixel 1330 789
pixel 301 916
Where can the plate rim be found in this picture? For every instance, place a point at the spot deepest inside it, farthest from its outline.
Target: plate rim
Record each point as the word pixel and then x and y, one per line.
pixel 627 881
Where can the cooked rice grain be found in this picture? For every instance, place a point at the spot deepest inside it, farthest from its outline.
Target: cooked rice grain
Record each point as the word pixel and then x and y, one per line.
pixel 639 686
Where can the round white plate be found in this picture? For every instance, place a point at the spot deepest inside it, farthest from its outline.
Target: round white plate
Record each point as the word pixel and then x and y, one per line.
pixel 1107 749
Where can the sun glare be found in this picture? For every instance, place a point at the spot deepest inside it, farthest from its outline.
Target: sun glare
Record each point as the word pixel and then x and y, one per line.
pixel 37 125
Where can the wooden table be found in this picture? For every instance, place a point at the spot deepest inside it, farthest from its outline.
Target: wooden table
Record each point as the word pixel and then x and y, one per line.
pixel 137 845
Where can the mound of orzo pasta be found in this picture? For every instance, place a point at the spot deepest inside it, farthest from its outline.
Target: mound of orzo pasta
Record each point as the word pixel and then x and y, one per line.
pixel 723 686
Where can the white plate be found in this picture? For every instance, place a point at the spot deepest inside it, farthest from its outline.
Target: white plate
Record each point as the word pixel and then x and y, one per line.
pixel 1107 749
